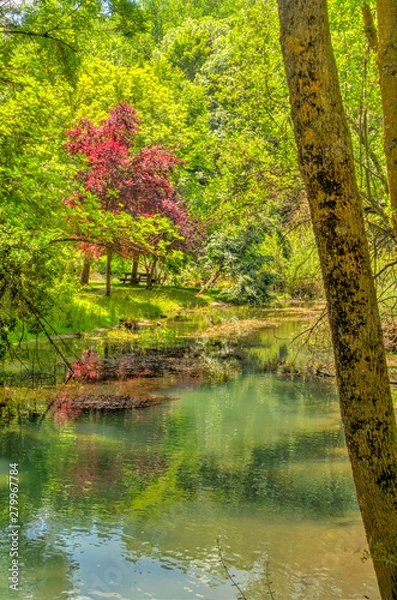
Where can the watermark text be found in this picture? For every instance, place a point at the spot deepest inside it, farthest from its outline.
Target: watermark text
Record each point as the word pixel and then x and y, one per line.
pixel 14 526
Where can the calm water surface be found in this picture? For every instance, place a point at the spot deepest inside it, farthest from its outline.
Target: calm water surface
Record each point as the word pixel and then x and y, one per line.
pixel 146 504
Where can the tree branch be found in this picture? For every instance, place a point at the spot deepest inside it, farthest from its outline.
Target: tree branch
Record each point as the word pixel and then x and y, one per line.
pixel 45 35
pixel 385 268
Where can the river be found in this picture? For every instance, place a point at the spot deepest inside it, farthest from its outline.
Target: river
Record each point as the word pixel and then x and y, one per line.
pixel 246 481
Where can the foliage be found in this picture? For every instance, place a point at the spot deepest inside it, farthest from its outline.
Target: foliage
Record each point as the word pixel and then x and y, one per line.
pixel 87 368
pixel 138 184
pixel 125 184
pixel 241 257
pixel 299 268
pixel 29 278
pixel 205 79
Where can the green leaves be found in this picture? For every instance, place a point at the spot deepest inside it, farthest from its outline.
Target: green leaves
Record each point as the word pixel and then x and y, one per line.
pixel 240 254
pixel 29 270
pixel 207 80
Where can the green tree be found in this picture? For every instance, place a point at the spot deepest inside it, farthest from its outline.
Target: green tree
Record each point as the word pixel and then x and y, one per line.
pixel 240 256
pixel 326 161
pixel 387 59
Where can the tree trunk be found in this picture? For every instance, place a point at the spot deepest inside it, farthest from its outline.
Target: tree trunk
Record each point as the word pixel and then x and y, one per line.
pixel 326 162
pixel 215 275
pixel 387 59
pixel 85 275
pixel 370 29
pixel 108 271
pixel 150 274
pixel 134 272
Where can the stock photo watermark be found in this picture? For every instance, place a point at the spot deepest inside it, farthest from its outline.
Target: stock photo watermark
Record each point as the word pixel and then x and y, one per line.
pixel 14 526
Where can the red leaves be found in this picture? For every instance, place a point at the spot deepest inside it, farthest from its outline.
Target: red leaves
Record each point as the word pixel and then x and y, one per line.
pixel 89 367
pixel 120 127
pixel 90 251
pixel 138 184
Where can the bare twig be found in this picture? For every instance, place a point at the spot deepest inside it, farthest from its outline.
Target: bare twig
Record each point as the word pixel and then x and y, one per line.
pixel 385 268
pixel 231 577
pixel 42 321
pixel 268 582
pixel 310 330
pixel 43 35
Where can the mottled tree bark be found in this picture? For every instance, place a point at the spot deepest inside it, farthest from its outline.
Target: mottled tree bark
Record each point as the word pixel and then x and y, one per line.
pixel 85 275
pixel 326 162
pixel 387 59
pixel 370 28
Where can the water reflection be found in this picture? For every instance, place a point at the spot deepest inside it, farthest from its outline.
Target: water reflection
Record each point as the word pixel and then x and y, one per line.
pixel 131 505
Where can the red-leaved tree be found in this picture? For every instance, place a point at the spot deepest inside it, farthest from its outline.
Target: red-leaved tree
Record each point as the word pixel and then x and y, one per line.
pixel 136 183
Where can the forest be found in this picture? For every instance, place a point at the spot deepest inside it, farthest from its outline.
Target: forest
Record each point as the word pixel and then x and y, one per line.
pixel 211 131
pixel 206 123
pixel 198 297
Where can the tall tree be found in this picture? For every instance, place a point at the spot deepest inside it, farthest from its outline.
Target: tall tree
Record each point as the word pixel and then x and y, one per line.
pixel 387 59
pixel 326 162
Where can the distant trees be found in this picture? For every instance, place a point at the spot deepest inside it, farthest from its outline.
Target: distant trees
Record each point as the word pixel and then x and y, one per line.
pixel 241 257
pixel 325 157
pixel 204 76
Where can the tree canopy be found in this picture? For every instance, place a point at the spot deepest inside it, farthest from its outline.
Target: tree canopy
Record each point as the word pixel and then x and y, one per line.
pixel 211 132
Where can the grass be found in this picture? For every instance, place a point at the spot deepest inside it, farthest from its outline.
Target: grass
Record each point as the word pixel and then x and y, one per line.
pixel 91 309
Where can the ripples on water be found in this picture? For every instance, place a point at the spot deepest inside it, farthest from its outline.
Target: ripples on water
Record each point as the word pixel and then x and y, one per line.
pixel 139 505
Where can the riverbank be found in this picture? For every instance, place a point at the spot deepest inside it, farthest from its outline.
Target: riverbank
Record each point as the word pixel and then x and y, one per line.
pixel 135 320
pixel 131 365
pixel 173 332
pixel 90 309
pixel 206 346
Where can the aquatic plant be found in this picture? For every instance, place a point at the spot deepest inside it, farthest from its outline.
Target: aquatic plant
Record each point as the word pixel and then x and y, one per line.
pixel 89 367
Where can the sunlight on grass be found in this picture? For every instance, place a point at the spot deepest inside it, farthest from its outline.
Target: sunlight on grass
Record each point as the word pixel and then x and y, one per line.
pixel 91 309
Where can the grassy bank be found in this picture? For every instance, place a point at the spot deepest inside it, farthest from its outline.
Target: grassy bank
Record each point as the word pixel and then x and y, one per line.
pixel 90 309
